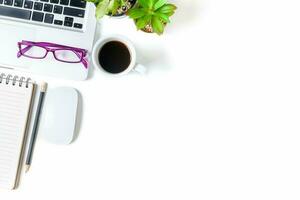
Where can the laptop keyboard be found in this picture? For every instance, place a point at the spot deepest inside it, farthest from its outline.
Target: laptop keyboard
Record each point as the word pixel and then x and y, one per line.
pixel 57 13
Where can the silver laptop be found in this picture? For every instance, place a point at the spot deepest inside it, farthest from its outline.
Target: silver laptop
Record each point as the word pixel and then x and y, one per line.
pixel 65 22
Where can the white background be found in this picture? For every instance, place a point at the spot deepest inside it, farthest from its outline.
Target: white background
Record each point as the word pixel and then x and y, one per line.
pixel 217 116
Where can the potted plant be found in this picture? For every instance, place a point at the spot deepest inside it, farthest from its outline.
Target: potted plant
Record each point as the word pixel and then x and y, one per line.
pixel 152 15
pixel 112 7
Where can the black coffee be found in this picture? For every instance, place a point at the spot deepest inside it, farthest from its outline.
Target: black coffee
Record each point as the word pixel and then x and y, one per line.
pixel 114 57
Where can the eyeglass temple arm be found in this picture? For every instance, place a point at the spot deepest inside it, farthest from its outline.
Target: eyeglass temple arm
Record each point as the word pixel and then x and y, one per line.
pixel 24 50
pixel 83 58
pixel 85 62
pixel 43 44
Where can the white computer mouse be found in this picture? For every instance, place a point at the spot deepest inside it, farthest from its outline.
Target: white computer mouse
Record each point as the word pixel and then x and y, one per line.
pixel 59 115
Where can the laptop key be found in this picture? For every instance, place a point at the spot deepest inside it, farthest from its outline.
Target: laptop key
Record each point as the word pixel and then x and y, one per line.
pixel 76 25
pixel 38 6
pixel 74 12
pixel 1 1
pixel 18 3
pixel 54 1
pixel 67 23
pixel 49 18
pixel 58 22
pixel 64 2
pixel 58 9
pixel 69 19
pixel 78 3
pixel 8 2
pixel 37 16
pixel 28 4
pixel 44 0
pixel 48 7
pixel 15 12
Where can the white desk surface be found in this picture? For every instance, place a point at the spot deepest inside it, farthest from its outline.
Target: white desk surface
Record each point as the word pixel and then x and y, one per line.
pixel 217 117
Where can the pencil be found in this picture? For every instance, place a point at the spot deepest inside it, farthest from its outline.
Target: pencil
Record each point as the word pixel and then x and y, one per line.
pixel 35 127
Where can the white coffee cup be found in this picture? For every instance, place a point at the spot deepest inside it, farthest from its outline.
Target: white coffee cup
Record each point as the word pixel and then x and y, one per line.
pixel 133 66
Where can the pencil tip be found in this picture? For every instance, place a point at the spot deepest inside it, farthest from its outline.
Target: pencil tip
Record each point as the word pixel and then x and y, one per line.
pixel 27 167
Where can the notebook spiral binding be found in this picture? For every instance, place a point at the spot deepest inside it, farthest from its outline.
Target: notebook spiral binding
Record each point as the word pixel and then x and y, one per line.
pixel 7 79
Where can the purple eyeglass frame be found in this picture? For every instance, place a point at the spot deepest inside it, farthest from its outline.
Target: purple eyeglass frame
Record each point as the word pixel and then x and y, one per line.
pixel 51 47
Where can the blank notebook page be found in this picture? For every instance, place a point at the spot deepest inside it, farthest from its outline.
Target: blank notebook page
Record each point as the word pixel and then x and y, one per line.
pixel 15 103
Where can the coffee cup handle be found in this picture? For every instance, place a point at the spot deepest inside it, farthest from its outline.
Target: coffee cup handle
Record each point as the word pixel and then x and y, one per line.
pixel 141 69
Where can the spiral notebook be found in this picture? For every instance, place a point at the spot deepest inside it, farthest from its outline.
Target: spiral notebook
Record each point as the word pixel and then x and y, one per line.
pixel 16 98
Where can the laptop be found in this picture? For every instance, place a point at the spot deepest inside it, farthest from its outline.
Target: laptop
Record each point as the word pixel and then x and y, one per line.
pixel 65 22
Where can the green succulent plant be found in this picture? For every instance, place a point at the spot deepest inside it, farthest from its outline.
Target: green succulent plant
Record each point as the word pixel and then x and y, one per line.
pixel 152 14
pixel 104 7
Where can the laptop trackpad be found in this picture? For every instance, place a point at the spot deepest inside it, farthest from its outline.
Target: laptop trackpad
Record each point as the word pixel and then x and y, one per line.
pixel 10 36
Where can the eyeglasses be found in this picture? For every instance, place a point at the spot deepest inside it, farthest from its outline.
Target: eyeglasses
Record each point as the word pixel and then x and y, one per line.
pixel 40 50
